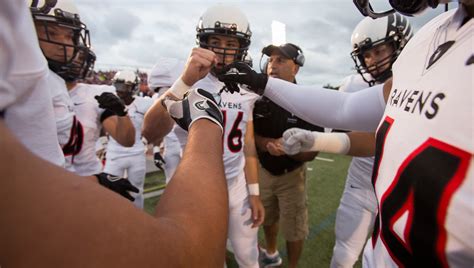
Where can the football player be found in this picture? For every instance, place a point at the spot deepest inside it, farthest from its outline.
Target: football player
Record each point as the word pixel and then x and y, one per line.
pixel 61 37
pixel 423 172
pixel 131 160
pixel 72 60
pixel 223 36
pixel 64 40
pixel 376 45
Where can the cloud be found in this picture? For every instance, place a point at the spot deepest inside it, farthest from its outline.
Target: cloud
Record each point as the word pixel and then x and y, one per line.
pixel 136 33
pixel 121 23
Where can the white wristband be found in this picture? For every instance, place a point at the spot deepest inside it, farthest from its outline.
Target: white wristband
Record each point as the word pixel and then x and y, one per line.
pixel 336 143
pixel 156 149
pixel 253 189
pixel 179 88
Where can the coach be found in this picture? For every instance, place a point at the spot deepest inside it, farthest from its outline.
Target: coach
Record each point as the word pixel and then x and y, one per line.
pixel 282 177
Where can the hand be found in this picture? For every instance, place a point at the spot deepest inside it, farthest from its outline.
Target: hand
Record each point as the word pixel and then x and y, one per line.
pixel 296 140
pixel 275 148
pixel 242 73
pixel 159 161
pixel 258 211
pixel 109 101
pixel 119 185
pixel 199 64
pixel 197 104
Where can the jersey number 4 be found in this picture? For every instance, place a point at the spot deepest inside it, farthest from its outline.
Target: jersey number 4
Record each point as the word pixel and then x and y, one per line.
pixel 418 196
pixel 234 137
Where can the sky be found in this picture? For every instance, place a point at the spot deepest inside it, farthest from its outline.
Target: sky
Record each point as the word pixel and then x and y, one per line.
pixel 136 33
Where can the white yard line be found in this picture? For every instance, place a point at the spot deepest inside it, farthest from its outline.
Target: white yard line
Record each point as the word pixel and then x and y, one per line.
pixel 153 194
pixel 324 159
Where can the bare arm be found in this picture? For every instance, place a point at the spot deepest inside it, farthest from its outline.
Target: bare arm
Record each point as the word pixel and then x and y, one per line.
pixel 157 123
pixel 251 175
pixel 70 220
pixel 362 143
pixel 250 151
pixel 121 129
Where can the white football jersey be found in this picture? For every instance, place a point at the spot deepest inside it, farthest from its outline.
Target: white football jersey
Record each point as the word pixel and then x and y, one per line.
pixel 29 110
pixel 69 129
pixel 63 107
pixel 88 113
pixel 424 177
pixel 237 111
pixel 136 112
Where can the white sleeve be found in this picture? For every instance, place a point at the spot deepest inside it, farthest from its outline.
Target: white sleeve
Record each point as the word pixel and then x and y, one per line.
pixel 358 111
pixel 21 61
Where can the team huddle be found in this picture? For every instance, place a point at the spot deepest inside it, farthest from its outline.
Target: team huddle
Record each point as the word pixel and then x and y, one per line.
pixel 408 197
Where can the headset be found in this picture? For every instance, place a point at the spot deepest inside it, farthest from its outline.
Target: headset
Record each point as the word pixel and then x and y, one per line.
pixel 299 59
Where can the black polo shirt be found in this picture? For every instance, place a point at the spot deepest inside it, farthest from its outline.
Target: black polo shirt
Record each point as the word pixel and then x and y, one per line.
pixel 270 121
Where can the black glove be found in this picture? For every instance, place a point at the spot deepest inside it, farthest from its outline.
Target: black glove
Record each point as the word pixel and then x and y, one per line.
pixel 119 185
pixel 197 104
pixel 242 73
pixel 231 87
pixel 111 102
pixel 159 161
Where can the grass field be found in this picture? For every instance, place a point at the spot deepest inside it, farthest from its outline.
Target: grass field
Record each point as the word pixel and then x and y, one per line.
pixel 325 185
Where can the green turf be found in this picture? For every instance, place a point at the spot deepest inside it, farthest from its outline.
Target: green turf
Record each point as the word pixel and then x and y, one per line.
pixel 153 180
pixel 325 184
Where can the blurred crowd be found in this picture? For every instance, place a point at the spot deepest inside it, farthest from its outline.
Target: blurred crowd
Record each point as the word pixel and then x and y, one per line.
pixel 105 78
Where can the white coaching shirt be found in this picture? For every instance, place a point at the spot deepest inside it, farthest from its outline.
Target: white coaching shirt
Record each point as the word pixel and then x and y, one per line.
pixel 136 112
pixel 425 177
pixel 88 113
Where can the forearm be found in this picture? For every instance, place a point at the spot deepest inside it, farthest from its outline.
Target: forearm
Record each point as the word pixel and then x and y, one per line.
pixel 251 169
pixel 362 143
pixel 124 131
pixel 93 220
pixel 200 198
pixel 157 123
pixel 360 110
pixel 251 158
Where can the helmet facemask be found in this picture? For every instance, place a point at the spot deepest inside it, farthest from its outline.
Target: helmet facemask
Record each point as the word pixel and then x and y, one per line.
pixel 65 42
pixel 371 40
pixel 126 85
pixel 405 7
pixel 224 23
pixel 227 54
pixel 381 70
